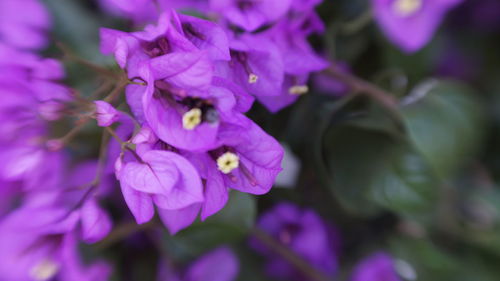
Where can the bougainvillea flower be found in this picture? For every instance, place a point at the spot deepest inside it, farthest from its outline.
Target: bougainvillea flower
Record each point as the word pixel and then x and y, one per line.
pixel 218 265
pixel 206 35
pixel 26 29
pixel 106 114
pixel 377 267
pixel 293 87
pixel 161 177
pixel 139 11
pixel 305 233
pixel 249 159
pixel 28 84
pixel 410 24
pixel 256 65
pixel 190 120
pixel 39 244
pixel 169 55
pixel 251 14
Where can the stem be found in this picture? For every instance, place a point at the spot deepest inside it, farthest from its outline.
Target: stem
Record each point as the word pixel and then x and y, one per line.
pixel 68 54
pixel 358 23
pixel 290 256
pixel 115 136
pixel 359 85
pixel 122 83
pixel 73 132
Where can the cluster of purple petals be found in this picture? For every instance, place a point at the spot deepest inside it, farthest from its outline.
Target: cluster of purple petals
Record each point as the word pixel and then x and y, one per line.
pixel 411 24
pixel 193 82
pixel 317 242
pixel 302 231
pixel 220 264
pixel 45 209
pixel 259 46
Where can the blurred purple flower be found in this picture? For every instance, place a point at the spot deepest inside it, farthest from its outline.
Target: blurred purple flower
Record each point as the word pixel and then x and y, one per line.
pixel 38 243
pixel 106 114
pixel 331 86
pixel 24 23
pixel 305 233
pixel 377 267
pixel 218 265
pixel 251 14
pixel 410 24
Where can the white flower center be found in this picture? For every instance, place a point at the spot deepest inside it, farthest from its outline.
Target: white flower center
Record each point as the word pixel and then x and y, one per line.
pixel 405 8
pixel 252 78
pixel 44 270
pixel 191 119
pixel 298 90
pixel 227 162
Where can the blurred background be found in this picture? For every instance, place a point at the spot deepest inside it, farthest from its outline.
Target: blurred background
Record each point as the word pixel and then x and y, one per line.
pixel 420 184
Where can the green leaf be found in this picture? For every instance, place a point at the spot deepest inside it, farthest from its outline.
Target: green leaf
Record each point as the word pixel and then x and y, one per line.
pixel 371 169
pixel 445 126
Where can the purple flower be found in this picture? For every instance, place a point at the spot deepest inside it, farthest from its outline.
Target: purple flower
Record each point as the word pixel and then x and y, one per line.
pixel 256 65
pixel 162 178
pixel 410 24
pixel 189 120
pixel 38 244
pixel 331 86
pixel 305 233
pixel 23 23
pixel 106 114
pixel 251 14
pixel 161 50
pixel 28 84
pixel 377 267
pixel 249 159
pixel 139 11
pixel 218 265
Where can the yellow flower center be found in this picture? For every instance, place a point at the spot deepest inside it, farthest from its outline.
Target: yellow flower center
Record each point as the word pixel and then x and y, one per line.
pixel 252 78
pixel 191 119
pixel 227 162
pixel 298 90
pixel 405 8
pixel 44 270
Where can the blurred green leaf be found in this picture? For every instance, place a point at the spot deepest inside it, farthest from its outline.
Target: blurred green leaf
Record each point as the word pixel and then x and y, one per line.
pixel 371 168
pixel 434 263
pixel 445 126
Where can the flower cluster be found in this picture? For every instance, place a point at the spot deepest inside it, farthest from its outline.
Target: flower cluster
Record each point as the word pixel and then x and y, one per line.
pixel 195 79
pixel 178 142
pixel 39 238
pixel 318 243
pixel 305 233
pixel 260 47
pixel 410 24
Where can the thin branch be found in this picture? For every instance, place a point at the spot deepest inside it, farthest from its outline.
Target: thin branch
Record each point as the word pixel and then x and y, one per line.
pixel 68 54
pixel 290 256
pixel 358 85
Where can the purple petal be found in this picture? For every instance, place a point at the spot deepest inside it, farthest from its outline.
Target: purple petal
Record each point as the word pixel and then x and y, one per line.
pixel 186 70
pixel 188 189
pixel 157 175
pixel 140 204
pixel 218 265
pixel 176 220
pixel 106 114
pixel 96 223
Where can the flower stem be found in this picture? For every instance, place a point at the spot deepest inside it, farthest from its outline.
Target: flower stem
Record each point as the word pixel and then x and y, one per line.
pixel 68 54
pixel 359 85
